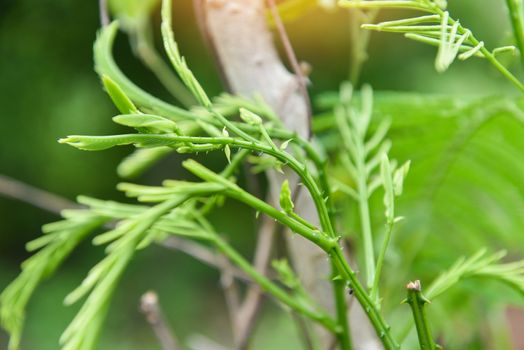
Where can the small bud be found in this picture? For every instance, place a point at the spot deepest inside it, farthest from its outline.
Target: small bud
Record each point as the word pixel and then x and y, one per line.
pixel 286 202
pixel 250 117
pixel 415 285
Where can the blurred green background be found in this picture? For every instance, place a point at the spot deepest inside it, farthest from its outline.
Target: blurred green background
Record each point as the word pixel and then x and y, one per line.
pixel 48 89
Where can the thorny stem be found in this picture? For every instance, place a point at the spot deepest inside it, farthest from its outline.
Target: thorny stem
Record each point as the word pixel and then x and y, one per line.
pixel 238 193
pixel 381 328
pixel 339 289
pixel 417 301
pixel 329 245
pixel 254 145
pixel 319 191
pixel 326 239
pixel 336 256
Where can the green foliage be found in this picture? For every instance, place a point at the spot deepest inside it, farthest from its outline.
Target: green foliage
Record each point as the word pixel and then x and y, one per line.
pixel 103 278
pixel 361 162
pixel 119 98
pixel 437 29
pixel 479 265
pixel 460 196
pixel 54 247
pixel 359 168
pixel 178 62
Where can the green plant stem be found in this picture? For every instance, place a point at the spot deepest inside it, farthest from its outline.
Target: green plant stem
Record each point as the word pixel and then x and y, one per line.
pixel 355 149
pixel 369 254
pixel 329 245
pixel 284 157
pixel 327 242
pixel 515 13
pixel 334 251
pixel 363 206
pixel 317 194
pixel 381 328
pixel 380 261
pixel 238 193
pixel 338 286
pixel 339 290
pixel 273 289
pixel 491 58
pixel 416 300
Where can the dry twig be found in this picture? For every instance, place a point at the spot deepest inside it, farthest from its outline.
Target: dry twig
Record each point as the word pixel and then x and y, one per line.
pixel 150 307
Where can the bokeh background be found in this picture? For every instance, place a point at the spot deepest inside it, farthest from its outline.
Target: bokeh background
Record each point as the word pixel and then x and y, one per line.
pixel 48 89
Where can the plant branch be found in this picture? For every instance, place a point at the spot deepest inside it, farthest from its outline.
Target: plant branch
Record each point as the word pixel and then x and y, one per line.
pixel 104 142
pixel 381 328
pixel 104 13
pixel 292 58
pixel 202 254
pixel 339 290
pixel 329 245
pixel 151 309
pixel 417 301
pixel 45 200
pixel 324 241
